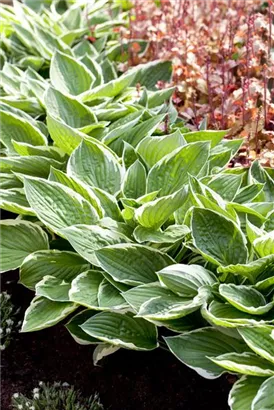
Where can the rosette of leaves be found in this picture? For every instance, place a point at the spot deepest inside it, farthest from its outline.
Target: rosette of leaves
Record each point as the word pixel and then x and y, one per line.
pixel 55 396
pixel 159 238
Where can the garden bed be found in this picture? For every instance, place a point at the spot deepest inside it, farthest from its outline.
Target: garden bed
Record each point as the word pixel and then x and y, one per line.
pixel 127 380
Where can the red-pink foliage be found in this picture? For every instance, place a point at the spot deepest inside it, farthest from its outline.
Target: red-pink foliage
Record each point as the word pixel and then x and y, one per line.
pixel 223 64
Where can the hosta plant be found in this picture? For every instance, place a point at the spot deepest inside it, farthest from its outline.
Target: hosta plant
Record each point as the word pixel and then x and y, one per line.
pixel 134 229
pixel 55 396
pixel 154 242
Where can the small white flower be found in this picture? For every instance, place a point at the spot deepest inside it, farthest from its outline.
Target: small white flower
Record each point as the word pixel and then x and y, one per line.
pixel 20 406
pixel 32 408
pixel 41 383
pixel 65 384
pixel 36 390
pixel 2 347
pixel 8 296
pixel 16 395
pixel 9 322
pixel 36 396
pixel 8 330
pixel 1 330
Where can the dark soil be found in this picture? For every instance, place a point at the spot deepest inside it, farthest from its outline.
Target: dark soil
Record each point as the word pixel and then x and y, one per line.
pixel 126 380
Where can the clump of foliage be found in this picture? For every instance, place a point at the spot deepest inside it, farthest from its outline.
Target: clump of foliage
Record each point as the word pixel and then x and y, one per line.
pixel 55 397
pixel 222 53
pixel 137 225
pixel 9 321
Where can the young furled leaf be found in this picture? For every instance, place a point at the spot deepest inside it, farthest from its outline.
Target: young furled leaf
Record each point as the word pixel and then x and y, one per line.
pixel 134 183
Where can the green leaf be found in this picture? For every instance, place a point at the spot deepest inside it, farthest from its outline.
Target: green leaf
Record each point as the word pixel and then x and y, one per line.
pixel 94 68
pixel 30 105
pixel 218 238
pixel 264 246
pixel 92 290
pixel 18 240
pixel 155 213
pixel 150 73
pixel 19 129
pixel 103 350
pixel 213 136
pixel 9 181
pixel 69 75
pixel 14 200
pixel 133 135
pixel 33 165
pixel 243 392
pixel 265 285
pixel 54 289
pixel 69 109
pixel 256 270
pixel 253 232
pixel 137 296
pixel 172 234
pixel 257 172
pixel 121 128
pixel 58 206
pixel 194 348
pixel 244 363
pixel 171 172
pixel 170 307
pixel 77 186
pixel 226 185
pixel 62 265
pixel 185 280
pixel 24 149
pixel 245 298
pixel 86 239
pixel 248 193
pixel 134 183
pixel 132 264
pixel 260 340
pixel 110 89
pixel 225 315
pixel 153 148
pixel 43 313
pixel 122 330
pixel 75 330
pixel 96 166
pixel 269 223
pixel 64 136
pixel 108 203
pixel 129 155
pixel 264 399
pixel 159 97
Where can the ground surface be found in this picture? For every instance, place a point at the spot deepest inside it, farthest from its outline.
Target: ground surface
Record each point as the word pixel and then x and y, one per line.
pixel 126 380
